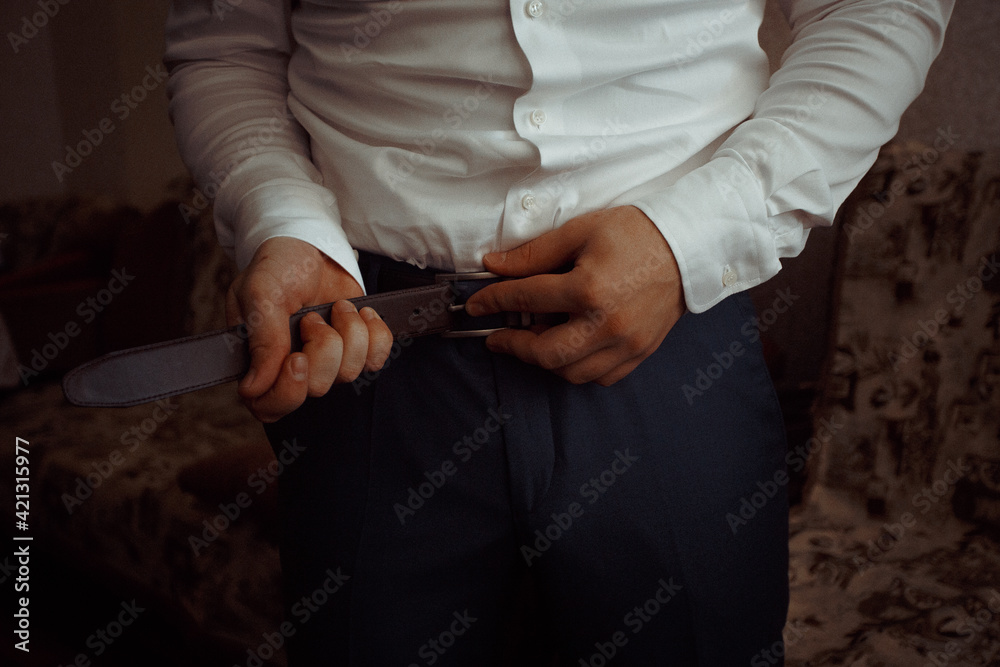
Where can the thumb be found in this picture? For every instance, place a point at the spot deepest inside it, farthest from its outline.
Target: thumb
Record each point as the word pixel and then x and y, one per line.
pixel 544 254
pixel 269 342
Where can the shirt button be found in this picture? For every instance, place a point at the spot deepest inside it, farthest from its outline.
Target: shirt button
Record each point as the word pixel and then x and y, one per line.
pixel 537 117
pixel 534 8
pixel 528 202
pixel 729 277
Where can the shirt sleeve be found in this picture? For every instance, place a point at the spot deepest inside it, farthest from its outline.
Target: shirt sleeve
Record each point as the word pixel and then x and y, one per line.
pixel 228 89
pixel 853 68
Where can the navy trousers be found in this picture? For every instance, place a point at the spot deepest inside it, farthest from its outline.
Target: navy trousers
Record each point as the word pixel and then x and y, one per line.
pixel 641 520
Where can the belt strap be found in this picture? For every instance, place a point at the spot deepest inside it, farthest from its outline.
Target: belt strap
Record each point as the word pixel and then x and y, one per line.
pixel 152 372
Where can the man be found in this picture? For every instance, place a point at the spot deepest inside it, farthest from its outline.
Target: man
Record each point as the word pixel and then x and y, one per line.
pixel 627 164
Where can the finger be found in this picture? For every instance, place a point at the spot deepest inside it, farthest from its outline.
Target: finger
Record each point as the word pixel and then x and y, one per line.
pixel 545 293
pixel 604 367
pixel 269 344
pixel 286 394
pixel 620 372
pixel 324 348
pixel 543 254
pixel 552 349
pixel 352 329
pixel 379 339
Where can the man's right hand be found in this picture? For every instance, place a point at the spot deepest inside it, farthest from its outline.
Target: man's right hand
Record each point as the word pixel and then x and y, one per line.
pixel 285 276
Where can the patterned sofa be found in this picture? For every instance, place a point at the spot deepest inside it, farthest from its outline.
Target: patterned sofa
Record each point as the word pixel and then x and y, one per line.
pixel 893 554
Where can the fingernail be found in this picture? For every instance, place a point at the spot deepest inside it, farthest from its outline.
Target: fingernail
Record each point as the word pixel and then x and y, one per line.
pixel 475 309
pixel 299 368
pixel 368 314
pixel 344 307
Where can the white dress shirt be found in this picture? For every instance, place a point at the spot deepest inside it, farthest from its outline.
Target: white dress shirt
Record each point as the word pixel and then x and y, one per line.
pixel 435 131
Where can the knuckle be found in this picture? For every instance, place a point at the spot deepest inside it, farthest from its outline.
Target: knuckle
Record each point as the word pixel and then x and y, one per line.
pixel 548 359
pixel 381 333
pixel 318 389
pixel 589 290
pixel 378 352
pixel 315 325
pixel 350 369
pixel 255 286
pixel 522 304
pixel 373 366
pixel 634 345
pixel 574 377
pixel 263 414
pixel 617 328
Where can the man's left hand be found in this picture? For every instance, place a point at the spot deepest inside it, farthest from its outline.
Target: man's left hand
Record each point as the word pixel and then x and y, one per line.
pixel 623 295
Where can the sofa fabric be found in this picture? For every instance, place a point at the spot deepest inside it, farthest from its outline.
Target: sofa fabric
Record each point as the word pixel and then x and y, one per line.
pixel 894 558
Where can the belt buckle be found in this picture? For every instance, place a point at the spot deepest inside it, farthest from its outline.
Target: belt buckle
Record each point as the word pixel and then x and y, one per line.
pixel 458 307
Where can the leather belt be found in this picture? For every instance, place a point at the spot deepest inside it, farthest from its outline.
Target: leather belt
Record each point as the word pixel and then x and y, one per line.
pixel 153 372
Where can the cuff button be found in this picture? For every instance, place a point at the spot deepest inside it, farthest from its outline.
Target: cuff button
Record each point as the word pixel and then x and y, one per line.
pixel 729 277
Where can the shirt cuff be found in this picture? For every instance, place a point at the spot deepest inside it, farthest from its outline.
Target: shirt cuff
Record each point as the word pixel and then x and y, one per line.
pixel 280 202
pixel 716 223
